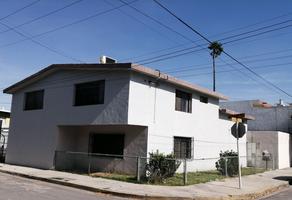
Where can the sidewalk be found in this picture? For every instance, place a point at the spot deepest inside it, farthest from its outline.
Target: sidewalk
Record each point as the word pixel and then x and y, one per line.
pixel 254 186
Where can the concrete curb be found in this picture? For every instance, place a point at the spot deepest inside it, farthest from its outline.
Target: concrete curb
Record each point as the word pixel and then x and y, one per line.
pixel 248 196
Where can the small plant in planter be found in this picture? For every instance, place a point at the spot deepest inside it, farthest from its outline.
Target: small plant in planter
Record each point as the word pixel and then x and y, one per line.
pixel 232 163
pixel 160 167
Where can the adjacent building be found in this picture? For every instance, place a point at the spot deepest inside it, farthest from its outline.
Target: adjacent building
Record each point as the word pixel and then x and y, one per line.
pixel 4 126
pixel 269 132
pixel 120 109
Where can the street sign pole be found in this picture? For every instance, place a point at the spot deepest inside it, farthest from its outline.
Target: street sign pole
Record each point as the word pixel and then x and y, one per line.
pixel 239 167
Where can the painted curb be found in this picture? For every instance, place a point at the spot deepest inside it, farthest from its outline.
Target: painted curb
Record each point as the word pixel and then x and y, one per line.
pixel 248 196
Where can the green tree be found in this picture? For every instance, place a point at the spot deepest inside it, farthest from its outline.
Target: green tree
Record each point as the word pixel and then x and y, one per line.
pixel 216 49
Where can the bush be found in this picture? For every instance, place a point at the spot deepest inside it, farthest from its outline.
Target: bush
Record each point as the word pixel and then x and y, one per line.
pixel 160 167
pixel 232 163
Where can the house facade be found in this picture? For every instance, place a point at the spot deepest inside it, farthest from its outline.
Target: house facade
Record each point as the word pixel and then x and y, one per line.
pixel 270 131
pixel 121 109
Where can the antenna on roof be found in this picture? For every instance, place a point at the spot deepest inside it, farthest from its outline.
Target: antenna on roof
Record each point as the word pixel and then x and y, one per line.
pixel 106 60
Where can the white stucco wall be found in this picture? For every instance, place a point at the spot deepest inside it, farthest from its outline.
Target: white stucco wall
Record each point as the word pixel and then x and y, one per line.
pixel 283 150
pixel 129 100
pixel 33 134
pixel 155 107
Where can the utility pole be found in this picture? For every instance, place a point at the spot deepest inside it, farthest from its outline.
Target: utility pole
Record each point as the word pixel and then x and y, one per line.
pixel 216 49
pixel 214 73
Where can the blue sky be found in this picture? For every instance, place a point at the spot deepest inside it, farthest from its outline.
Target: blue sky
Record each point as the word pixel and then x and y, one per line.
pixel 127 35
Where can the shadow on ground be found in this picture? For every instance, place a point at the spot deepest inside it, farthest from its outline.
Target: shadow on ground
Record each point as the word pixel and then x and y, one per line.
pixel 284 178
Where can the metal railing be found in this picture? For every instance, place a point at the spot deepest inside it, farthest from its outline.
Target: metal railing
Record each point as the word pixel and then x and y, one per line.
pixel 140 168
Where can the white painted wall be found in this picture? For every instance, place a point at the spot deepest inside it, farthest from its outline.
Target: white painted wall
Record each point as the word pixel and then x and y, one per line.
pixel 283 150
pixel 33 134
pixel 211 134
pixel 128 100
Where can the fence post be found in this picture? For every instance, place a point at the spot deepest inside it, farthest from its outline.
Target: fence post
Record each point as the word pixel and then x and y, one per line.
pixel 138 168
pixel 273 160
pixel 89 164
pixel 226 171
pixel 185 172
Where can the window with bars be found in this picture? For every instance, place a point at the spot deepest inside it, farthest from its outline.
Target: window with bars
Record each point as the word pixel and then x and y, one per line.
pixel 183 147
pixel 34 100
pixel 89 93
pixel 183 101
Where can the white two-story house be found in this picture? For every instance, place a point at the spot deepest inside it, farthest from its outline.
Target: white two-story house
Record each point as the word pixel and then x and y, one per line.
pixel 120 109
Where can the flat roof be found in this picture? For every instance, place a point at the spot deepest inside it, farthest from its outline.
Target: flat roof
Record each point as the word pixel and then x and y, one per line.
pixel 232 113
pixel 114 67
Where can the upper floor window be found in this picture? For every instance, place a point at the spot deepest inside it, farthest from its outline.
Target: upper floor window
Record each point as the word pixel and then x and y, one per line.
pixel 204 99
pixel 183 147
pixel 183 101
pixel 34 100
pixel 89 93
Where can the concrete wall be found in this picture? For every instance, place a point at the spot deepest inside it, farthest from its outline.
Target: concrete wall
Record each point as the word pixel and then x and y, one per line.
pixel 34 134
pixel 276 143
pixel 155 107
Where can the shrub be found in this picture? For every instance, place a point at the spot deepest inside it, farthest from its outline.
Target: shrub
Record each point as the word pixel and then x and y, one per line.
pixel 232 163
pixel 160 167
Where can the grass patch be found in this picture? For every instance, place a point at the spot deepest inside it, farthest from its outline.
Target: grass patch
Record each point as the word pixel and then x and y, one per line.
pixel 251 170
pixel 194 178
pixel 177 179
pixel 115 176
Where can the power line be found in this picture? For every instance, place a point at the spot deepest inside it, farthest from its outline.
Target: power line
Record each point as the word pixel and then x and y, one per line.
pixel 156 21
pixel 43 16
pixel 40 44
pixel 194 47
pixel 141 22
pixel 222 33
pixel 160 59
pixel 20 9
pixel 68 25
pixel 227 54
pixel 190 68
pixel 256 30
pixel 225 71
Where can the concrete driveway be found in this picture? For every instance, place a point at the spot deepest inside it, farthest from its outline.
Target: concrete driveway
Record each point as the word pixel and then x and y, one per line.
pixel 17 188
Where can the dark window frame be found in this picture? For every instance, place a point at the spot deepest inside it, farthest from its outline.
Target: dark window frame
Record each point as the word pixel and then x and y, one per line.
pixel 183 101
pixel 31 102
pixel 106 144
pixel 181 152
pixel 204 99
pixel 82 99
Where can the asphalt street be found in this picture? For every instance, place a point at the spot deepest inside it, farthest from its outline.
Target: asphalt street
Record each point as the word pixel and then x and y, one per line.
pixel 283 195
pixel 17 188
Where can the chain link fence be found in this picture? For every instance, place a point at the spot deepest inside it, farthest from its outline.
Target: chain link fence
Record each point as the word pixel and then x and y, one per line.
pixel 166 170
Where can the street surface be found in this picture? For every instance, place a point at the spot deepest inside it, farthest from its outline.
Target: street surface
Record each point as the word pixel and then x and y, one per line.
pixel 283 195
pixel 18 188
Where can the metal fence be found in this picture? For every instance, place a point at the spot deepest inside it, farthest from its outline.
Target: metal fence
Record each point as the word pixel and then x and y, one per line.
pixel 143 168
